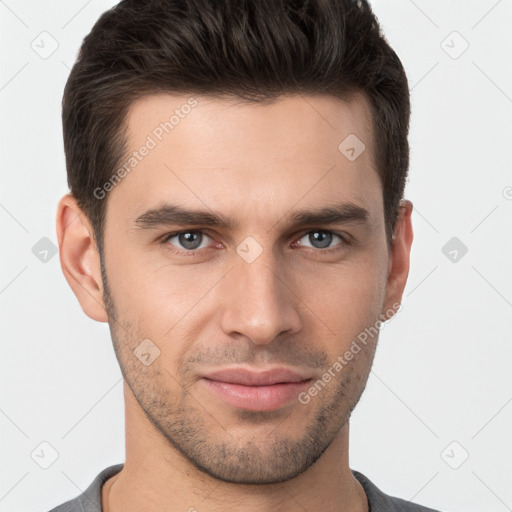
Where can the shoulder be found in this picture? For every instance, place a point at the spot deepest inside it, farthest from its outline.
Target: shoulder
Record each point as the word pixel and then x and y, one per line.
pixel 90 499
pixel 381 502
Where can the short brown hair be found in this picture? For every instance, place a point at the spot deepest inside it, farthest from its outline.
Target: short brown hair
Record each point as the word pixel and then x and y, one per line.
pixel 255 50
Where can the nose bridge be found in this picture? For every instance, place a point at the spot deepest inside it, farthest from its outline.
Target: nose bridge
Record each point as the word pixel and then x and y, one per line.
pixel 260 303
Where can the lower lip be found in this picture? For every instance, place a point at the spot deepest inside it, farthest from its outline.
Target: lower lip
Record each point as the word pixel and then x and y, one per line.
pixel 257 398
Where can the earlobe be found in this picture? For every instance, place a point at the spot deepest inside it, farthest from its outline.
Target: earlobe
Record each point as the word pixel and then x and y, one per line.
pixel 79 257
pixel 399 259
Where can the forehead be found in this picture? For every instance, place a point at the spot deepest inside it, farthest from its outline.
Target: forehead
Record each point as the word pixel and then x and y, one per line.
pixel 252 159
pixel 288 119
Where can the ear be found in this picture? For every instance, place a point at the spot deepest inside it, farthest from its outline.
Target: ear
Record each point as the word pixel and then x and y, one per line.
pixel 79 257
pixel 398 267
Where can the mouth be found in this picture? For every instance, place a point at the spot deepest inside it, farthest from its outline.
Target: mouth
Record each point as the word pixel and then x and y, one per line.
pixel 256 391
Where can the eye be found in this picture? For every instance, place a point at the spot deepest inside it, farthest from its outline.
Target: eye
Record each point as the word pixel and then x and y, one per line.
pixel 188 240
pixel 321 239
pixel 190 243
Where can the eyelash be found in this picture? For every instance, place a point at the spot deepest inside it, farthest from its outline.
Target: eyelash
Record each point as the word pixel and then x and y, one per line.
pixel 194 252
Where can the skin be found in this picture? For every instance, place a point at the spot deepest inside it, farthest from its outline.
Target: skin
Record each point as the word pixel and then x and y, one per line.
pixel 295 305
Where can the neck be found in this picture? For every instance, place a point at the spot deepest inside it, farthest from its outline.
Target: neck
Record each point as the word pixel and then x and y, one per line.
pixel 156 477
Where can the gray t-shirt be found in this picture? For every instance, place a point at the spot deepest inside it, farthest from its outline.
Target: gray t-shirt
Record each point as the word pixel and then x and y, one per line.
pixel 90 499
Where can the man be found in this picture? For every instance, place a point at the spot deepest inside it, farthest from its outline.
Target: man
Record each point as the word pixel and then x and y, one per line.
pixel 236 215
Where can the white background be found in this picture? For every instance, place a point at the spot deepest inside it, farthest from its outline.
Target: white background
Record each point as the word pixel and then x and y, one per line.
pixel 442 370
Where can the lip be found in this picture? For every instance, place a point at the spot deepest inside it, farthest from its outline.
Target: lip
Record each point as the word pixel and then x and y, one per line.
pixel 256 378
pixel 256 391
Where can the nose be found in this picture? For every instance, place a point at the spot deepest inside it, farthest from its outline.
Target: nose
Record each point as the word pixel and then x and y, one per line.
pixel 260 302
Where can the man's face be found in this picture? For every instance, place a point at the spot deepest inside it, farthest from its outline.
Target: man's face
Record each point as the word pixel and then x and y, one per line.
pixel 264 292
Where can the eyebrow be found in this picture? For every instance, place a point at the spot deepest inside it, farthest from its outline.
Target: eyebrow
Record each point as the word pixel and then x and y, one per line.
pixel 168 214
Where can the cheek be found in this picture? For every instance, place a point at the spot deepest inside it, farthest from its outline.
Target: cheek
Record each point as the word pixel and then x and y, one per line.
pixel 146 285
pixel 162 302
pixel 347 298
